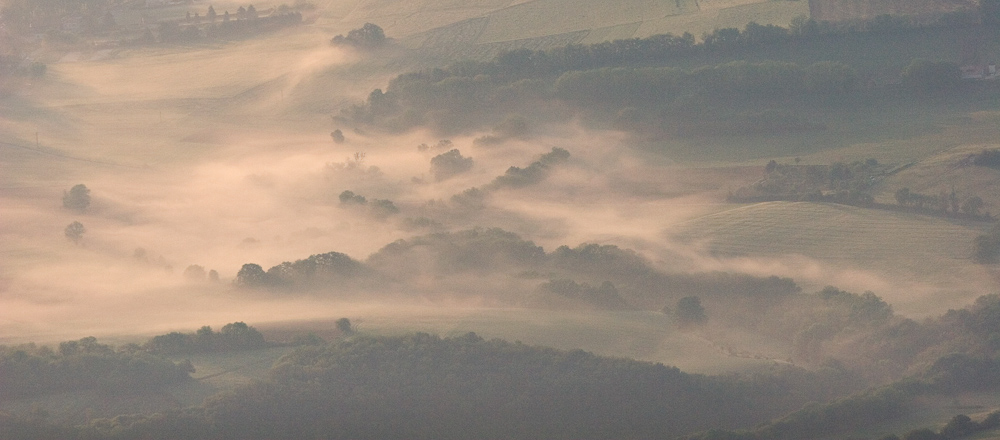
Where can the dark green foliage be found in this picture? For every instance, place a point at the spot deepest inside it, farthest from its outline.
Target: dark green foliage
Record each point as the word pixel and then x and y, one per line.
pixel 988 158
pixel 381 208
pixel 369 36
pixel 446 165
pixel 848 183
pixel 959 426
pixel 320 270
pixel 689 312
pixel 82 365
pixel 422 386
pixel 864 309
pixel 74 231
pixel 77 198
pixel 250 276
pixel 378 208
pixel 961 372
pixel 337 136
pixel 931 76
pixel 921 434
pixel 476 250
pixel 189 424
pixel 472 198
pixel 349 198
pixel 233 337
pixel 246 25
pixel 990 12
pixel 824 420
pixel 537 171
pixel 344 326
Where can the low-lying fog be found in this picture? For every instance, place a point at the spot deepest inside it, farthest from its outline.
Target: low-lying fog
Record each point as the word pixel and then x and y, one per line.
pixel 245 171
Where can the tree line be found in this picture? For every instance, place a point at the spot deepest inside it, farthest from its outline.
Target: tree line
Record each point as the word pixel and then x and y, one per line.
pixel 30 370
pixel 424 386
pixel 706 99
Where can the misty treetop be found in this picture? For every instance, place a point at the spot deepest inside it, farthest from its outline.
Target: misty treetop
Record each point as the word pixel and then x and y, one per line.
pixel 232 337
pixel 74 231
pixel 318 271
pixel 446 165
pixel 77 198
pixel 605 276
pixel 646 79
pixel 29 370
pixel 369 36
pixel 535 172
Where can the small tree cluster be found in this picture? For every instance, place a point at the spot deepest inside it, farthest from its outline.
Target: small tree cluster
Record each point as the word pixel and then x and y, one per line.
pixel 77 198
pixel 369 36
pixel 379 208
pixel 449 164
pixel 943 203
pixel 74 231
pixel 233 336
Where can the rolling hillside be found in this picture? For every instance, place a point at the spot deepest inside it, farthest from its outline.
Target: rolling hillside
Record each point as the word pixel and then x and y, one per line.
pixel 851 247
pixel 484 28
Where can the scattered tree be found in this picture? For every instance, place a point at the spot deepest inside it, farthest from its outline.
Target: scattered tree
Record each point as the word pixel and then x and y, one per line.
pixel 250 275
pixel 689 311
pixel 194 272
pixel 344 326
pixel 448 164
pixel 77 198
pixel 338 136
pixel 369 36
pixel 74 231
pixel 350 198
pixel 771 166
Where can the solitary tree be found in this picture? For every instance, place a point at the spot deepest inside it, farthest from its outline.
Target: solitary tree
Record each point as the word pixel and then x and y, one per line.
pixel 211 14
pixel 194 272
pixel 78 197
pixel 74 231
pixel 689 311
pixel 344 326
pixel 337 135
pixel 250 275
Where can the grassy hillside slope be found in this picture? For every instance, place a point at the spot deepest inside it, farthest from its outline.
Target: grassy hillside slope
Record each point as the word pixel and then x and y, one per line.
pixel 907 258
